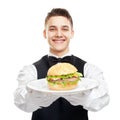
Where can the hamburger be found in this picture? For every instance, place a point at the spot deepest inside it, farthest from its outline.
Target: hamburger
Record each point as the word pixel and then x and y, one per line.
pixel 63 76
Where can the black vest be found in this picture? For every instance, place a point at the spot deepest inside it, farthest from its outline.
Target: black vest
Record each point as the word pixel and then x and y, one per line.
pixel 60 109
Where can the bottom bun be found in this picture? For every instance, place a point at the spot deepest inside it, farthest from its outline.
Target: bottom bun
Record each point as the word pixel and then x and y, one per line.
pixel 59 87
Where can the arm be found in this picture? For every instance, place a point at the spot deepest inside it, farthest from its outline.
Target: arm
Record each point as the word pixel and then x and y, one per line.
pixel 96 98
pixel 27 74
pixel 28 100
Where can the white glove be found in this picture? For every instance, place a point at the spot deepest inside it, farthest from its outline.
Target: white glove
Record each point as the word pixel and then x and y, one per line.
pixel 40 99
pixel 77 98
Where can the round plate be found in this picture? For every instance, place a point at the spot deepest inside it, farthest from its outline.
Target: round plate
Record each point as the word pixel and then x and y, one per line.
pixel 40 85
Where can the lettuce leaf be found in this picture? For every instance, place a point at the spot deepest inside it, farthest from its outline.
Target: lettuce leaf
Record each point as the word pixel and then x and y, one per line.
pixel 76 74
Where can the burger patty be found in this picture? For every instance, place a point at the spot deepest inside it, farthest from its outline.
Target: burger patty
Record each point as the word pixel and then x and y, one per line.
pixel 60 79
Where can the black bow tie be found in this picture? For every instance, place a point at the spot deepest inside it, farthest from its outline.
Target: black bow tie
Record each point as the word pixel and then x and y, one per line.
pixel 54 60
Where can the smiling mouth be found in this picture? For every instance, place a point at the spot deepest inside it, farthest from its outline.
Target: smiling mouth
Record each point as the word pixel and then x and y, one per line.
pixel 58 40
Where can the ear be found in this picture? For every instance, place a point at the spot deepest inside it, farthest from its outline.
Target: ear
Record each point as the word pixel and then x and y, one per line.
pixel 72 34
pixel 44 33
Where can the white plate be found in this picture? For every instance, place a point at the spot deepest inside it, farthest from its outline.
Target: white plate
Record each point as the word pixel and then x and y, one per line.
pixel 41 86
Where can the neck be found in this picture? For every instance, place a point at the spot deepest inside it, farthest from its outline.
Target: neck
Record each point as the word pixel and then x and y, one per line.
pixel 59 53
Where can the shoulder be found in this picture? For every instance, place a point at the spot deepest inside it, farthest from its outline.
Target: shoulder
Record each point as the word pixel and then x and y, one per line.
pixel 28 72
pixel 87 65
pixel 93 67
pixel 93 71
pixel 28 69
pixel 78 59
pixel 41 60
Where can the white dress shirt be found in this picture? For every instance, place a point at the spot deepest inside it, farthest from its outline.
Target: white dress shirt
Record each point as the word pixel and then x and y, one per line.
pixel 29 101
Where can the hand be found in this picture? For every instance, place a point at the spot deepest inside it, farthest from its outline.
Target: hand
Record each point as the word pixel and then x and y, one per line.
pixel 78 98
pixel 41 99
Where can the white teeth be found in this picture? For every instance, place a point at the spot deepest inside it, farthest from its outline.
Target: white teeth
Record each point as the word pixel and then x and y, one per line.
pixel 59 40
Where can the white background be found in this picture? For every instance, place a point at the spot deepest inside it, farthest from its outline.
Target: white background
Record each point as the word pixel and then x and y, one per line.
pixel 97 36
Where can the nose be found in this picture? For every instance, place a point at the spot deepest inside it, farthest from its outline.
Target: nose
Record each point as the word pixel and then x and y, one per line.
pixel 59 33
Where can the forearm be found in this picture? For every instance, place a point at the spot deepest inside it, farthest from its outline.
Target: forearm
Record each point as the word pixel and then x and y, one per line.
pixel 98 103
pixel 29 100
pixel 21 100
pixel 93 99
pixel 32 100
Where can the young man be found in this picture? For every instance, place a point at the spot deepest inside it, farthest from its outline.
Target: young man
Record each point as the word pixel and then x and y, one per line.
pixel 58 31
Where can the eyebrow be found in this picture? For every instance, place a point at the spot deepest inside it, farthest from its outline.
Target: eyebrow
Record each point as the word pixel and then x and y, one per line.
pixel 65 26
pixel 52 26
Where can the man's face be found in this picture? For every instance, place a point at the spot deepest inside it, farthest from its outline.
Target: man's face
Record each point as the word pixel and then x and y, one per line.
pixel 58 32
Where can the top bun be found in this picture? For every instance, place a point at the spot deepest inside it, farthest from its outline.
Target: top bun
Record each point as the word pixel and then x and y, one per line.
pixel 61 69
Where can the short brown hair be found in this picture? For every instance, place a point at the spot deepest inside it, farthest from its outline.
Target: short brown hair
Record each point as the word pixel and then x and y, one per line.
pixel 59 12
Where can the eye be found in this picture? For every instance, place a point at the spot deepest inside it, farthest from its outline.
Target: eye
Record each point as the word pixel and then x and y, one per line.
pixel 52 29
pixel 65 28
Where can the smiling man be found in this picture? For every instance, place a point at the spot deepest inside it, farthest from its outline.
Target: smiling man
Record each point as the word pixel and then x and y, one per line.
pixel 59 31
